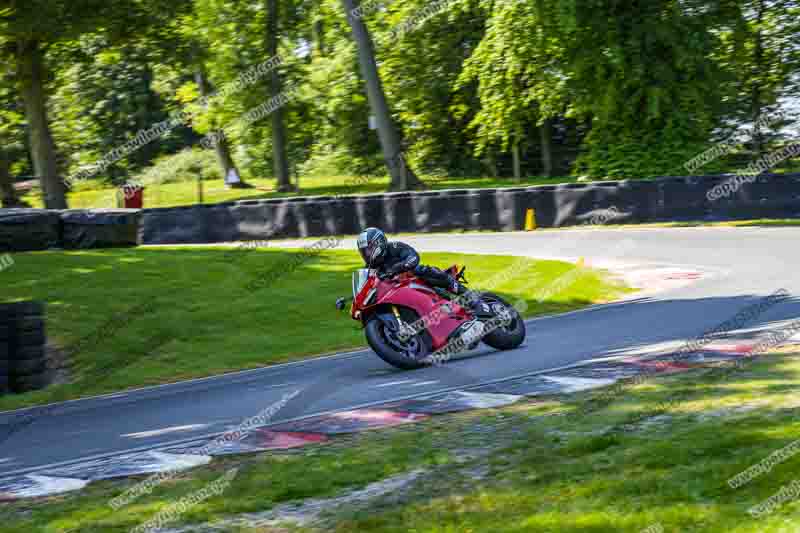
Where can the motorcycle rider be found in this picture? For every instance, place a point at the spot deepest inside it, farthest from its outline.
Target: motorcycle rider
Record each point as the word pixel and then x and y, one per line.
pixel 392 258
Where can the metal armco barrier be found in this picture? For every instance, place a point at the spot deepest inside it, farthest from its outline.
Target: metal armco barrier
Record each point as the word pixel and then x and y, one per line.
pixel 681 199
pixel 765 196
pixel 543 201
pixel 252 218
pixel 172 225
pixel 510 209
pixel 220 222
pixel 400 215
pixel 100 228
pixel 311 216
pixel 672 198
pixel 484 203
pixel 575 204
pixel 370 211
pixel 283 218
pixel 29 229
pixel 22 347
pixel 635 201
pixel 344 216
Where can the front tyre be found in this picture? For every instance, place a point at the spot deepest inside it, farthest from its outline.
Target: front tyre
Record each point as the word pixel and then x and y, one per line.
pixel 506 336
pixel 384 339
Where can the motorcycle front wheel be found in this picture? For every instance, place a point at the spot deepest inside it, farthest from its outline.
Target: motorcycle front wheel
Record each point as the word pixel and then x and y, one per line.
pixel 385 341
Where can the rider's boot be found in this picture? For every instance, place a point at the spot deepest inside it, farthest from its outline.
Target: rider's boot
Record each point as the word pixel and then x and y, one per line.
pixel 471 299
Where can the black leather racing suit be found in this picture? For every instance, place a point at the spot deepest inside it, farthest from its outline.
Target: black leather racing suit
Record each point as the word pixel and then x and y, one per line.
pixel 401 257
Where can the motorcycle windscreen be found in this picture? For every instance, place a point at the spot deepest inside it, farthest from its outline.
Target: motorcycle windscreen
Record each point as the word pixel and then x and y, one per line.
pixel 360 278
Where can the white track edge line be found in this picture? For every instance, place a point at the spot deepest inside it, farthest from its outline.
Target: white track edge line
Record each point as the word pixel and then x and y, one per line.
pixel 141 449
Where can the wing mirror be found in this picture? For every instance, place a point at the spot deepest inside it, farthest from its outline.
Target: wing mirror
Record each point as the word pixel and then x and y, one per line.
pixel 341 303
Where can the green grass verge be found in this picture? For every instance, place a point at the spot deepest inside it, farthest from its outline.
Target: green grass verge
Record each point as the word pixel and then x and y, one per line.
pixel 658 455
pixel 136 317
pixel 98 195
pixel 661 455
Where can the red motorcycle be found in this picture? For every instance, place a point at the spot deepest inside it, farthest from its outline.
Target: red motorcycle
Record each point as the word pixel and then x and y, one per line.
pixel 410 324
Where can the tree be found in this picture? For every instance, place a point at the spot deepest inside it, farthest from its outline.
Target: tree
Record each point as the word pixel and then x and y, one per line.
pixel 12 146
pixel 521 81
pixel 759 52
pixel 105 93
pixel 238 37
pixel 420 68
pixel 279 157
pixel 30 27
pixel 403 178
pixel 643 73
pixel 221 145
pixel 43 152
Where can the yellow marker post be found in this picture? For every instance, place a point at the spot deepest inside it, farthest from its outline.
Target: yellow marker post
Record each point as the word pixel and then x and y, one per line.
pixel 530 220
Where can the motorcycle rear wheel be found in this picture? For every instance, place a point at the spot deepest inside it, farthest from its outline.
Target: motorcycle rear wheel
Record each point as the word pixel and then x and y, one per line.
pixel 384 341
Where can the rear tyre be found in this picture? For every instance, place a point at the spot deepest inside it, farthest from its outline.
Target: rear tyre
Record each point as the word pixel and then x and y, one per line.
pixel 384 340
pixel 505 336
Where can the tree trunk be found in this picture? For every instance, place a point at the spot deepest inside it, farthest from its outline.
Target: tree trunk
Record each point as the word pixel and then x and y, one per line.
pixel 8 195
pixel 545 136
pixel 221 147
pixel 319 36
pixel 491 164
pixel 403 178
pixel 43 152
pixel 279 158
pixel 755 96
pixel 516 161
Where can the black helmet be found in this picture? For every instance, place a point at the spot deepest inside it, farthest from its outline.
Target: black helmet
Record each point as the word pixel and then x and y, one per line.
pixel 372 245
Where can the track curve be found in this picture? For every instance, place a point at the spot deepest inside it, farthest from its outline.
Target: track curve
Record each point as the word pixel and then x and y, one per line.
pixel 693 279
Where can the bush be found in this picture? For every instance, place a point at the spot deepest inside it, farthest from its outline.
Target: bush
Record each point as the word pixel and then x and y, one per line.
pixel 329 161
pixel 185 165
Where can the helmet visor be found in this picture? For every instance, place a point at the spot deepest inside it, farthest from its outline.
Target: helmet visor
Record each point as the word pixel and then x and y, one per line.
pixel 371 253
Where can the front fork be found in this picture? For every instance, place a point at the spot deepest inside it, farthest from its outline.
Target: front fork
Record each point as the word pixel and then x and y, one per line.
pixel 393 319
pixel 405 329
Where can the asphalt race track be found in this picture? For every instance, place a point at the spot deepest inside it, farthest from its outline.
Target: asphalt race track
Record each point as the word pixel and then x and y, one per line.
pixel 693 280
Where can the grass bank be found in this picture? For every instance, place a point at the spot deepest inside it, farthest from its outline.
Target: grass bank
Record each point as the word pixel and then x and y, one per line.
pixel 659 457
pixel 136 317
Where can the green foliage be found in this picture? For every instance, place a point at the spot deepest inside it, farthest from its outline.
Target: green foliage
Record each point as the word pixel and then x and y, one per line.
pixel 617 152
pixel 421 72
pixel 12 133
pixel 103 99
pixel 643 74
pixel 335 161
pixel 634 90
pixel 761 63
pixel 185 165
pixel 338 110
pixel 518 70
